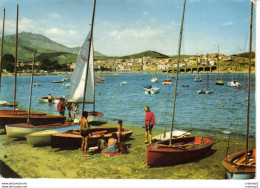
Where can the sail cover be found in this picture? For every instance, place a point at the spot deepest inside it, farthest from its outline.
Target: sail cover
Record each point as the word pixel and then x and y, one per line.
pixel 77 84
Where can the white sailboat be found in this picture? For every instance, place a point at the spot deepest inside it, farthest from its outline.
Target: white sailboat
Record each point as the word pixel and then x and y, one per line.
pixel 78 79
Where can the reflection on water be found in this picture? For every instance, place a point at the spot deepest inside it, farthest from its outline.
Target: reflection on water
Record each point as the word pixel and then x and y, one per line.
pixel 211 114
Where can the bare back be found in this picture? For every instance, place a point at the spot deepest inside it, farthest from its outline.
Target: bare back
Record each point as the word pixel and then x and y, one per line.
pixel 84 124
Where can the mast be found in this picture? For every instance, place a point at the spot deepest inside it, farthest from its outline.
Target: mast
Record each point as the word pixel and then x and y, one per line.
pixel 249 80
pixel 207 72
pixel 2 49
pixel 218 62
pixel 176 79
pixel 30 99
pixel 90 43
pixel 15 60
pixel 94 99
pixel 197 65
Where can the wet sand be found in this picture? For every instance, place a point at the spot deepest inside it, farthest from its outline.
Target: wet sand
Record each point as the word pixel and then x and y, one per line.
pixel 46 162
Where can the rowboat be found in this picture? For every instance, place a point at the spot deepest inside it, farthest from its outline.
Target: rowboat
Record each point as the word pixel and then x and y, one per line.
pixel 57 81
pixel 43 138
pixel 73 139
pixel 45 100
pixel 22 129
pixel 237 167
pixel 182 150
pixel 35 119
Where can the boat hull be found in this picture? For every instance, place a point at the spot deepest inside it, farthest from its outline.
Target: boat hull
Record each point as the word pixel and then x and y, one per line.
pixel 43 138
pixel 235 171
pixel 22 129
pixel 168 156
pixel 73 139
pixel 92 117
pixel 167 82
pixel 45 100
pixel 205 92
pixel 34 119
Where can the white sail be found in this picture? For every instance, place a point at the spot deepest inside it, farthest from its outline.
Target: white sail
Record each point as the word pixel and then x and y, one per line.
pixel 77 84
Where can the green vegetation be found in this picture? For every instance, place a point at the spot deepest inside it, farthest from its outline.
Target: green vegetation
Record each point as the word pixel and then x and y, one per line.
pixel 149 53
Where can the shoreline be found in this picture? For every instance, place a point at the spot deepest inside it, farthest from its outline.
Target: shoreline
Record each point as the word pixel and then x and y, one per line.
pixel 46 162
pixel 108 73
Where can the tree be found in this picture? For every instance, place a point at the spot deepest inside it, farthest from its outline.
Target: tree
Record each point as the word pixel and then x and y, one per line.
pixel 49 65
pixel 8 62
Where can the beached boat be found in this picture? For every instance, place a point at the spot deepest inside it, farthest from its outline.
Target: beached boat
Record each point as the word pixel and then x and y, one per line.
pixel 43 138
pixel 179 150
pixel 207 91
pixel 73 139
pixel 242 164
pixel 182 150
pixel 167 82
pixel 21 129
pixel 82 85
pixel 45 100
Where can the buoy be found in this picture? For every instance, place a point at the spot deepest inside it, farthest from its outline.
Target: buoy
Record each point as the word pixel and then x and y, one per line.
pixel 222 106
pixel 177 94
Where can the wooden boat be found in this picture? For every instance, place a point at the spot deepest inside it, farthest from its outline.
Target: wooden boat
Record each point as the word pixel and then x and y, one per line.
pixel 167 82
pixel 45 100
pixel 179 150
pixel 207 91
pixel 73 139
pixel 22 129
pixel 182 150
pixel 242 164
pixel 99 80
pixel 43 138
pixel 238 167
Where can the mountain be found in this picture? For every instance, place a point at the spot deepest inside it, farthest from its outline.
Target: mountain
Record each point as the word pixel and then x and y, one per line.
pixel 148 53
pixel 41 43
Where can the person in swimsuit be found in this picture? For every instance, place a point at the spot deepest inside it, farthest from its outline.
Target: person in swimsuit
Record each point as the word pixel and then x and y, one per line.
pixel 112 144
pixel 50 98
pixel 84 131
pixel 119 129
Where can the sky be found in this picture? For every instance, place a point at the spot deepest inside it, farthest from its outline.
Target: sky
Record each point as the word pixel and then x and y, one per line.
pixel 124 27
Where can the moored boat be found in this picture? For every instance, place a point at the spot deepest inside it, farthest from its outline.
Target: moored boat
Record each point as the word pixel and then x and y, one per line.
pixel 123 83
pixel 234 84
pixel 197 79
pixel 181 151
pixel 205 92
pixel 73 139
pixel 167 82
pixel 57 81
pixel 219 82
pixel 45 100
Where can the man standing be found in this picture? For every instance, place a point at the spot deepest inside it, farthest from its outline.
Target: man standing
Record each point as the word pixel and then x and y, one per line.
pixel 149 123
pixel 50 98
pixel 84 131
pixel 61 106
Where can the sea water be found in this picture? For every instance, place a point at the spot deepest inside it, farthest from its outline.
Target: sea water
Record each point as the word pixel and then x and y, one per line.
pixel 220 113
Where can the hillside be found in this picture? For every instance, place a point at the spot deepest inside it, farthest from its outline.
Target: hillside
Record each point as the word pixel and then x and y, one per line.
pixel 149 53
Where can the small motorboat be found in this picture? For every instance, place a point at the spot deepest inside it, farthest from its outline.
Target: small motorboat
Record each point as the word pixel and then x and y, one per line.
pixel 123 83
pixel 149 90
pixel 234 84
pixel 154 79
pixel 167 82
pixel 205 92
pixel 197 79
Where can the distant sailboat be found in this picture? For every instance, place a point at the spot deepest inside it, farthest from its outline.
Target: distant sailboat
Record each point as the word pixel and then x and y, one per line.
pixel 197 79
pixel 219 81
pixel 207 91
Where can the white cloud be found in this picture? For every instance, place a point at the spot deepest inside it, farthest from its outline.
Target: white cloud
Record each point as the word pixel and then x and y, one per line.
pixel 153 20
pixel 145 13
pixel 227 23
pixel 55 15
pixel 137 33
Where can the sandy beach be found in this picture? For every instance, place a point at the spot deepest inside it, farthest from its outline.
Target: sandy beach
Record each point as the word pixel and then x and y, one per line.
pixel 46 162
